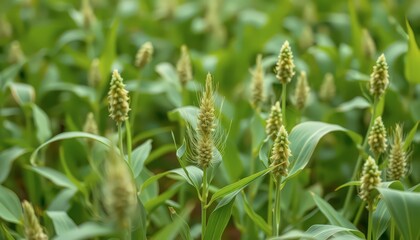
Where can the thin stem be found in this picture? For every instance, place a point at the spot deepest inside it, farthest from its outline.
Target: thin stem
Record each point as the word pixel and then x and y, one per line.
pixel 277 208
pixel 270 203
pixel 283 102
pixel 369 236
pixel 359 160
pixel 203 204
pixel 129 146
pixel 120 139
pixel 359 213
pixel 392 233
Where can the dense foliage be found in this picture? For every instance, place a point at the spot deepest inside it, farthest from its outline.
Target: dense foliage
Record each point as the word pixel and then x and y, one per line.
pixel 177 119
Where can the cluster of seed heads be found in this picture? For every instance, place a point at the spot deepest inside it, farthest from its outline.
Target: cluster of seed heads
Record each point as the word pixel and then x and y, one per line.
pixel 274 121
pixel 206 126
pixel 285 66
pixel 280 153
pixel 118 99
pixel 302 91
pixel 183 67
pixel 379 77
pixel 33 230
pixel 144 55
pixel 397 163
pixel 370 179
pixel 377 137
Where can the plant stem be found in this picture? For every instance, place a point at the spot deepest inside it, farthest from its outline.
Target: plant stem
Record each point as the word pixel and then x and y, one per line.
pixel 277 208
pixel 283 102
pixel 359 161
pixel 359 213
pixel 129 146
pixel 370 207
pixel 203 204
pixel 392 233
pixel 270 203
pixel 120 139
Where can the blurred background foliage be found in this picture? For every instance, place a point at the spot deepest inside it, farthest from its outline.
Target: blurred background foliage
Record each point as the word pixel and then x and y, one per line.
pixel 47 47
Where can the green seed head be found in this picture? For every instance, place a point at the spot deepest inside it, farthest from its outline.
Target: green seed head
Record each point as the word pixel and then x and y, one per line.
pixel 368 45
pixel 280 153
pixel 379 77
pixel 90 124
pixel 258 83
pixel 144 55
pixel 5 28
pixel 206 126
pixel 183 67
pixel 15 53
pixel 94 77
pixel 119 191
pixel 285 66
pixel 377 137
pixel 118 99
pixel 33 230
pixel 302 91
pixel 370 179
pixel 88 15
pixel 274 121
pixel 327 90
pixel 397 165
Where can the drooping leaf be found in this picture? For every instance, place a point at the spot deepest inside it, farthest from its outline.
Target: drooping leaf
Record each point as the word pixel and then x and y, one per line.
pixel 139 156
pixel 62 222
pixel 6 160
pixel 55 176
pixel 331 214
pixel 10 208
pixel 69 135
pixel 401 206
pixel 218 221
pixel 304 139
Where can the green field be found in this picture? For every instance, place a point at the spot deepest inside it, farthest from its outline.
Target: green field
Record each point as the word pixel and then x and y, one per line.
pixel 183 119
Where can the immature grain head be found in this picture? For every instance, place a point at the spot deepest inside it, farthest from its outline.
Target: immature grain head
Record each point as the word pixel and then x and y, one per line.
pixel 274 121
pixel 397 163
pixel 144 55
pixel 88 15
pixel 285 66
pixel 302 91
pixel 94 77
pixel 118 99
pixel 5 27
pixel 377 137
pixel 15 53
pixel 119 191
pixel 206 126
pixel 33 230
pixel 327 90
pixel 370 179
pixel 258 83
pixel 280 153
pixel 183 67
pixel 368 45
pixel 90 125
pixel 379 77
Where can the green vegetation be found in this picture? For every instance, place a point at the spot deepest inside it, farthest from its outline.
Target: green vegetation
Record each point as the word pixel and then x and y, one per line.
pixel 177 119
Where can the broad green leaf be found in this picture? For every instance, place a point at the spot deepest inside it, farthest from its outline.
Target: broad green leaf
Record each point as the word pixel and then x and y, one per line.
pixel 331 214
pixel 236 187
pixel 412 58
pixel 324 232
pixel 56 177
pixel 86 231
pixel 139 156
pixel 62 201
pixel 381 219
pixel 218 221
pixel 171 231
pixel 304 139
pixel 62 222
pixel 6 160
pixel 22 93
pixel 355 103
pixel 42 123
pixel 403 207
pixel 410 136
pixel 69 135
pixel 10 208
pixel 140 221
